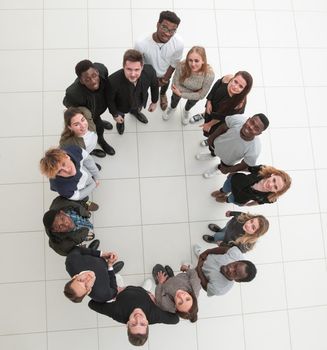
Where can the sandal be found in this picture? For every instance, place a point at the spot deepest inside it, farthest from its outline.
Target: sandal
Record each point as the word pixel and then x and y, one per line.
pixel 163 102
pixel 214 228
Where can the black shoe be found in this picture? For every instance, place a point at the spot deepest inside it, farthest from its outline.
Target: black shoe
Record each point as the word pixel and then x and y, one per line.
pixel 107 125
pixel 98 153
pixel 106 147
pixel 214 228
pixel 94 245
pixel 118 266
pixel 98 166
pixel 157 268
pixel 120 128
pixel 141 117
pixel 169 271
pixel 208 239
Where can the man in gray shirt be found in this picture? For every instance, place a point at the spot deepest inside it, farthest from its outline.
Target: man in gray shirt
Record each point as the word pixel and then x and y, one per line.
pixel 235 143
pixel 218 271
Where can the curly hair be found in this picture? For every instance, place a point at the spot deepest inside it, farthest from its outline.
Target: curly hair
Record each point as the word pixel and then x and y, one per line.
pixel 267 171
pixel 50 162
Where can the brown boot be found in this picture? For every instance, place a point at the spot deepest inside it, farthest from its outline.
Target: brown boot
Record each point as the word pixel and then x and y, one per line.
pixel 221 199
pixel 91 206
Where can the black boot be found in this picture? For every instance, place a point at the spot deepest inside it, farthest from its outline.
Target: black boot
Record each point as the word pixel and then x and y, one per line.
pixel 106 147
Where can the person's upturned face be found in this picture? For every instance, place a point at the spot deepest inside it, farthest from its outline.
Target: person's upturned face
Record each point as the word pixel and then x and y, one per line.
pixel 62 223
pixel 66 168
pixel 236 85
pixel 132 71
pixel 79 125
pixel 234 271
pixel 83 283
pixel 165 30
pixel 195 62
pixel 251 226
pixel 137 322
pixel 273 183
pixel 183 301
pixel 90 79
pixel 252 127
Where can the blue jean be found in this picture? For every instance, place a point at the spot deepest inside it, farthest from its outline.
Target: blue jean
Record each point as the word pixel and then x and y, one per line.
pixel 219 236
pixel 227 188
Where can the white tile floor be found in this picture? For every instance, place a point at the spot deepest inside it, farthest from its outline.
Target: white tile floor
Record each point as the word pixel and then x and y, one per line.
pixel 154 203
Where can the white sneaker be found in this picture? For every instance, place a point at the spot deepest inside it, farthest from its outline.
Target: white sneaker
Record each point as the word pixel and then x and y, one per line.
pixel 197 249
pixel 167 113
pixel 204 156
pixel 185 116
pixel 204 143
pixel 210 172
pixel 148 285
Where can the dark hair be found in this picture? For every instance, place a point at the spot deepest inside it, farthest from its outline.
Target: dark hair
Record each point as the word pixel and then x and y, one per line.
pixel 133 56
pixel 69 113
pixel 70 293
pixel 169 16
pixel 192 313
pixel 236 100
pixel 250 269
pixel 264 120
pixel 49 217
pixel 83 66
pixel 138 339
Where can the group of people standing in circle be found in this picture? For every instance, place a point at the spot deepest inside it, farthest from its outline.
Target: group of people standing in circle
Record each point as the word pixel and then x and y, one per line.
pixel 228 135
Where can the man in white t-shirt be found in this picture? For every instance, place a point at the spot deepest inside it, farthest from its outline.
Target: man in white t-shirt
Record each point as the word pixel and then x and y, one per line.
pixel 163 50
pixel 236 143
pixel 218 271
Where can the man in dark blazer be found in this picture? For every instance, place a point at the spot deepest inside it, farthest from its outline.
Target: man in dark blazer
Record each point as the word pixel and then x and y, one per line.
pixel 88 91
pixel 135 307
pixel 67 224
pixel 93 274
pixel 127 89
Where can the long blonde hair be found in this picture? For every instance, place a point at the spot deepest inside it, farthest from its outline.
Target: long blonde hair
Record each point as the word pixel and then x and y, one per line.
pixel 250 239
pixel 186 70
pixel 267 171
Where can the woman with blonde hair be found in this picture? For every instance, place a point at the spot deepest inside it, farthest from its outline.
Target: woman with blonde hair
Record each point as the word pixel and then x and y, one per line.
pixel 264 184
pixel 192 80
pixel 242 230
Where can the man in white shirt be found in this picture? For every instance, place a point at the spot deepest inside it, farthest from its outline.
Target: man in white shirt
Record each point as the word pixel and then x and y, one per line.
pixel 236 143
pixel 163 49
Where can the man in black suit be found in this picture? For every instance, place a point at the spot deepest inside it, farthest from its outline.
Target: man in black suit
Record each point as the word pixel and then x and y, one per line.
pixel 135 307
pixel 127 89
pixel 93 274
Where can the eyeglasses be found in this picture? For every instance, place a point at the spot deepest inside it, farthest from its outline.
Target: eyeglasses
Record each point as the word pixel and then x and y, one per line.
pixel 167 30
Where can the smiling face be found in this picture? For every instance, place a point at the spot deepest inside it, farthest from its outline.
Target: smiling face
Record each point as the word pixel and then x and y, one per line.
pixel 165 30
pixel 251 226
pixel 66 167
pixel 78 125
pixel 90 79
pixel 273 183
pixel 83 282
pixel 195 62
pixel 183 301
pixel 137 322
pixel 236 85
pixel 234 271
pixel 252 127
pixel 132 71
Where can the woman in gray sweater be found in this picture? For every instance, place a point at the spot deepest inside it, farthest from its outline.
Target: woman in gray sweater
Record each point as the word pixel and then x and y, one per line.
pixel 192 81
pixel 178 294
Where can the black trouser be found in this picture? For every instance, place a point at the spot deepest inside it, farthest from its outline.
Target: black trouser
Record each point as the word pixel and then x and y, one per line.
pixel 175 100
pixel 99 126
pixel 164 88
